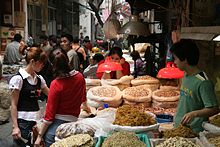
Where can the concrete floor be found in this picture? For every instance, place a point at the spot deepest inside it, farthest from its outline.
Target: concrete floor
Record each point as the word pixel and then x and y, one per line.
pixel 6 129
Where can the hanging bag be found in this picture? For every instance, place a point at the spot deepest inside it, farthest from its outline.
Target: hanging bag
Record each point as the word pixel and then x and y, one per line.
pixel 112 25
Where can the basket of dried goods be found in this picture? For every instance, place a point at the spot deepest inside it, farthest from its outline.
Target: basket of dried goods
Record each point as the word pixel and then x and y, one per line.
pixel 105 94
pixel 137 94
pixel 176 142
pixel 129 118
pixel 165 98
pixel 151 82
pixel 123 139
pixel 79 140
pixel 180 131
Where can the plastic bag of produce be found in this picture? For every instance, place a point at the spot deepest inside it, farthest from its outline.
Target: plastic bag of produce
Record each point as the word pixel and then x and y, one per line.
pixel 68 129
pixel 102 122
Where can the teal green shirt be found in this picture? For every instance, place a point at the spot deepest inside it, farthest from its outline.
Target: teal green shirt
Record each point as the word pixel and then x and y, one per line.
pixel 196 93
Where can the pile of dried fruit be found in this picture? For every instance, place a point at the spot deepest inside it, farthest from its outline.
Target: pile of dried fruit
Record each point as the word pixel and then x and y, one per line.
pixel 130 116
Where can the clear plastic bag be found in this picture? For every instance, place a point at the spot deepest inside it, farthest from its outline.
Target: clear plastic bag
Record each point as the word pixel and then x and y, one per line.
pixel 102 123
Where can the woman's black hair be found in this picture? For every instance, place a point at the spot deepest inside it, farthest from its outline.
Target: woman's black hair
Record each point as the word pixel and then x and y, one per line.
pixel 60 62
pixel 68 36
pixel 52 53
pixel 116 50
pixel 17 37
pixel 61 66
pixel 186 49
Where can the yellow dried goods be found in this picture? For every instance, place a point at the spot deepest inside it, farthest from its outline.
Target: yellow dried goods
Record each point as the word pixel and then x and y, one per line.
pixel 215 141
pixel 180 131
pixel 130 116
pixel 215 120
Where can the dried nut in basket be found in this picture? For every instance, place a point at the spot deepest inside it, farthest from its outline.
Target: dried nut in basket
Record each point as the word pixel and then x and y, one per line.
pixel 123 139
pixel 180 131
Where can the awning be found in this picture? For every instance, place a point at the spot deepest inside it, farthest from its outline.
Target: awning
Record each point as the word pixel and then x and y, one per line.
pixel 200 33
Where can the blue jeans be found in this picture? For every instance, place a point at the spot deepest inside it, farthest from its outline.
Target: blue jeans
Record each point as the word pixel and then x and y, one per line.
pixel 26 129
pixel 49 136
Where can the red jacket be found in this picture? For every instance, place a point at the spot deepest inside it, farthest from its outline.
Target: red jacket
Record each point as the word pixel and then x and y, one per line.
pixel 66 96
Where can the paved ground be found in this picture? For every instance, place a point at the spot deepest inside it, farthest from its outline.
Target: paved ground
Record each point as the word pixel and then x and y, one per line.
pixel 6 129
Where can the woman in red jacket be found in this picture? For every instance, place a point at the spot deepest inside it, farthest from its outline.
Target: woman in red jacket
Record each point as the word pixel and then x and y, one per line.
pixel 116 55
pixel 67 94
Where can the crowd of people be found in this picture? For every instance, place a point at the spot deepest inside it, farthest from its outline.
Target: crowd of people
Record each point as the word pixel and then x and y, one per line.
pixel 79 52
pixel 57 69
pixel 54 70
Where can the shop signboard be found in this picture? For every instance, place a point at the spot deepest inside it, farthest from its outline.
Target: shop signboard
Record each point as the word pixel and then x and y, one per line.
pixel 4 32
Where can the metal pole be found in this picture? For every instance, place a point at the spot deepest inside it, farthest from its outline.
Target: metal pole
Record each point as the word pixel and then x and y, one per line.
pixel 72 19
pixel 135 65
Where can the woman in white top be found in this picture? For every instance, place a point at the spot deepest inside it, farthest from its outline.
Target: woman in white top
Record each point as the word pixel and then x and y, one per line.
pixel 26 87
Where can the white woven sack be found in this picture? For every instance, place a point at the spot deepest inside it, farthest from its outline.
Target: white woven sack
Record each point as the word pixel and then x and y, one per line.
pixel 165 98
pixel 141 80
pixel 129 93
pixel 104 93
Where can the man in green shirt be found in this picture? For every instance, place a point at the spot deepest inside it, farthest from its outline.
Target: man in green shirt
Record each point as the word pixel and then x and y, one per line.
pixel 197 96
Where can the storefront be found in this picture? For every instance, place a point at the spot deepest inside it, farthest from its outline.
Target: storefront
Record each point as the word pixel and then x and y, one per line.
pixel 13 20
